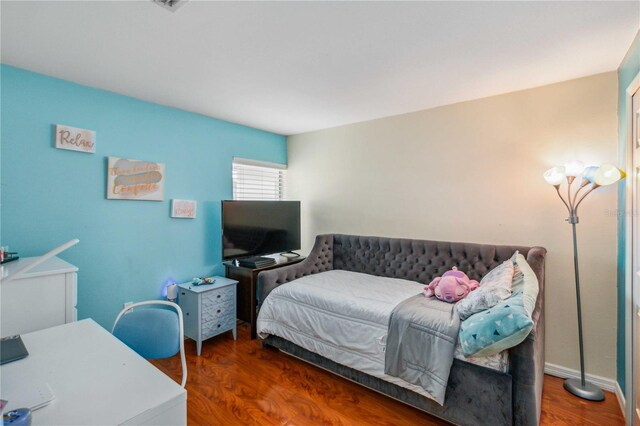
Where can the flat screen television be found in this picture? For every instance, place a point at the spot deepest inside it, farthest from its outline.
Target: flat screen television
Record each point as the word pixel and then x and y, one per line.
pixel 258 228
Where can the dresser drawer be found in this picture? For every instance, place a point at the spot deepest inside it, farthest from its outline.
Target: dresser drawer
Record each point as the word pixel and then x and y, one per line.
pixel 220 324
pixel 215 313
pixel 223 296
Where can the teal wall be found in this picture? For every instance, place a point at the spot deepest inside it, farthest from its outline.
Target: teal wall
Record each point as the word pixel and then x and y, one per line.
pixel 127 249
pixel 626 73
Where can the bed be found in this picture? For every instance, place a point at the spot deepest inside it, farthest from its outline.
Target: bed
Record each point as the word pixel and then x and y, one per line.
pixel 348 287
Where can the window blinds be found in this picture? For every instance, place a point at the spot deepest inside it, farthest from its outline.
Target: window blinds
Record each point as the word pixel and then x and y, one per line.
pixel 258 180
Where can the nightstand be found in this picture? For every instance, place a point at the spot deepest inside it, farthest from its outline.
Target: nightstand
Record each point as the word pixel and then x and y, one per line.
pixel 208 309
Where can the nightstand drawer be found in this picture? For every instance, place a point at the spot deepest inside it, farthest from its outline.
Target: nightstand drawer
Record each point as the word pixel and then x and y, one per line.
pixel 216 313
pixel 214 298
pixel 222 323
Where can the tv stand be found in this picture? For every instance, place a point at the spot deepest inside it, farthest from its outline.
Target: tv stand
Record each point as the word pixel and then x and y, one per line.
pixel 247 295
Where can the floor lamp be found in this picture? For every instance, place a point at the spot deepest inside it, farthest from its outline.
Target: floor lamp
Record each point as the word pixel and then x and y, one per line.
pixel 592 179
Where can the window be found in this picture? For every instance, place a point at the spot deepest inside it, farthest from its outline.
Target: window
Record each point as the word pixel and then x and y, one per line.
pixel 258 180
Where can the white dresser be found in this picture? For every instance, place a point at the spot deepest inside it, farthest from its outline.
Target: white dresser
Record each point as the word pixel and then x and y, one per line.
pixel 44 297
pixel 208 309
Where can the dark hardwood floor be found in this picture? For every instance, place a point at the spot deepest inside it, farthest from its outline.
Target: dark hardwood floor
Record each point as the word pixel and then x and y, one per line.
pixel 239 382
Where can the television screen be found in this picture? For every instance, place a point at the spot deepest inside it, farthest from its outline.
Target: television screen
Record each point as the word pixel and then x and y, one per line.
pixel 257 228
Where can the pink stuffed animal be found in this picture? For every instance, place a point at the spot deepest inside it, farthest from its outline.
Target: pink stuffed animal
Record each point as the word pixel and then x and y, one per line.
pixel 451 287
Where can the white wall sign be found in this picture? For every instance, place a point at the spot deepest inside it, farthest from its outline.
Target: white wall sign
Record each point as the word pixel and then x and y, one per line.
pixel 75 139
pixel 185 209
pixel 135 180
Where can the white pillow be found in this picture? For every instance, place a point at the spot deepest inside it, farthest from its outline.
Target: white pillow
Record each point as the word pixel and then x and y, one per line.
pixel 493 289
pixel 525 280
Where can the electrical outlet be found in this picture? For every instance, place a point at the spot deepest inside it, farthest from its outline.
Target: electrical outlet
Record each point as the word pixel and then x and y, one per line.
pixel 126 305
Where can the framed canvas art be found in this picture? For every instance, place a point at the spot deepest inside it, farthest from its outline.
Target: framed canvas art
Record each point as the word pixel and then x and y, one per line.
pixel 75 139
pixel 135 180
pixel 184 209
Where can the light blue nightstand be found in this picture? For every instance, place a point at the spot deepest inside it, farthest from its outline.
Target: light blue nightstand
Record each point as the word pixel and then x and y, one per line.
pixel 208 309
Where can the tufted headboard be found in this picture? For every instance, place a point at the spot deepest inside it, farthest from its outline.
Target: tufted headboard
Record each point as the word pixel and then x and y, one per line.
pixel 416 260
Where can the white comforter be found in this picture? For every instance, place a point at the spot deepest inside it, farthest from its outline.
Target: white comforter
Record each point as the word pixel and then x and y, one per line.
pixel 341 315
pixel 344 316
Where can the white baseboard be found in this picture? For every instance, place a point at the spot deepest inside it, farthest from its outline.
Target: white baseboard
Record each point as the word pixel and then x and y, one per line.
pixel 621 399
pixel 569 373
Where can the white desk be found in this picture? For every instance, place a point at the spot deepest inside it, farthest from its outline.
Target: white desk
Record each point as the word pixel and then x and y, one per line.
pixel 95 379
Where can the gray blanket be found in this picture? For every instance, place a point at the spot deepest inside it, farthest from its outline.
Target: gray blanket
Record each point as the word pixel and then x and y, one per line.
pixel 422 338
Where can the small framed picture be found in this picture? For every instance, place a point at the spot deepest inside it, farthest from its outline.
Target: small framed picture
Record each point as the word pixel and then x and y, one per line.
pixel 75 139
pixel 184 209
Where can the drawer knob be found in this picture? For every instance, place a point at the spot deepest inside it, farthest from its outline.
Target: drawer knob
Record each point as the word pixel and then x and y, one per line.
pixel 187 313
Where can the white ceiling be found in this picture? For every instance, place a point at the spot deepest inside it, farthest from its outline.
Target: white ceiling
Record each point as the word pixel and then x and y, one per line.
pixel 293 67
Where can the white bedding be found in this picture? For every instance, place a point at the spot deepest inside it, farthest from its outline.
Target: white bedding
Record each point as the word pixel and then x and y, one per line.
pixel 340 315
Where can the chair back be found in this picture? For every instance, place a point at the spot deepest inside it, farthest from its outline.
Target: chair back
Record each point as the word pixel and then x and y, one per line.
pixel 152 333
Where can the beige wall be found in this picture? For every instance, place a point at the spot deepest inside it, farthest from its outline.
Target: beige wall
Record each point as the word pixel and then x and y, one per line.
pixel 473 172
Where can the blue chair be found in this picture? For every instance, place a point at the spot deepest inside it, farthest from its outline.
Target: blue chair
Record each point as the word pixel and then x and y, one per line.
pixel 152 333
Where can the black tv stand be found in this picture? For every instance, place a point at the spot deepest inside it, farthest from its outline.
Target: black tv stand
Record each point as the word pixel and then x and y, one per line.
pixel 247 287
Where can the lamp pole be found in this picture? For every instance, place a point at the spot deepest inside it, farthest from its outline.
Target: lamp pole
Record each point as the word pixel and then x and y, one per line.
pixel 594 394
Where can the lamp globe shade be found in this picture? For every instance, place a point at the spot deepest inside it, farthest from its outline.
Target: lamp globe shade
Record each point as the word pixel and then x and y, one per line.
pixel 589 173
pixel 608 174
pixel 574 168
pixel 555 175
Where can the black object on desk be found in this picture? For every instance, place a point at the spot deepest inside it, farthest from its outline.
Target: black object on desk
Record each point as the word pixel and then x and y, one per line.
pixel 10 258
pixel 12 349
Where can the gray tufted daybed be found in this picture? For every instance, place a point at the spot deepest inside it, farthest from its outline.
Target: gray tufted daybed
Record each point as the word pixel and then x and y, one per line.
pixel 475 395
